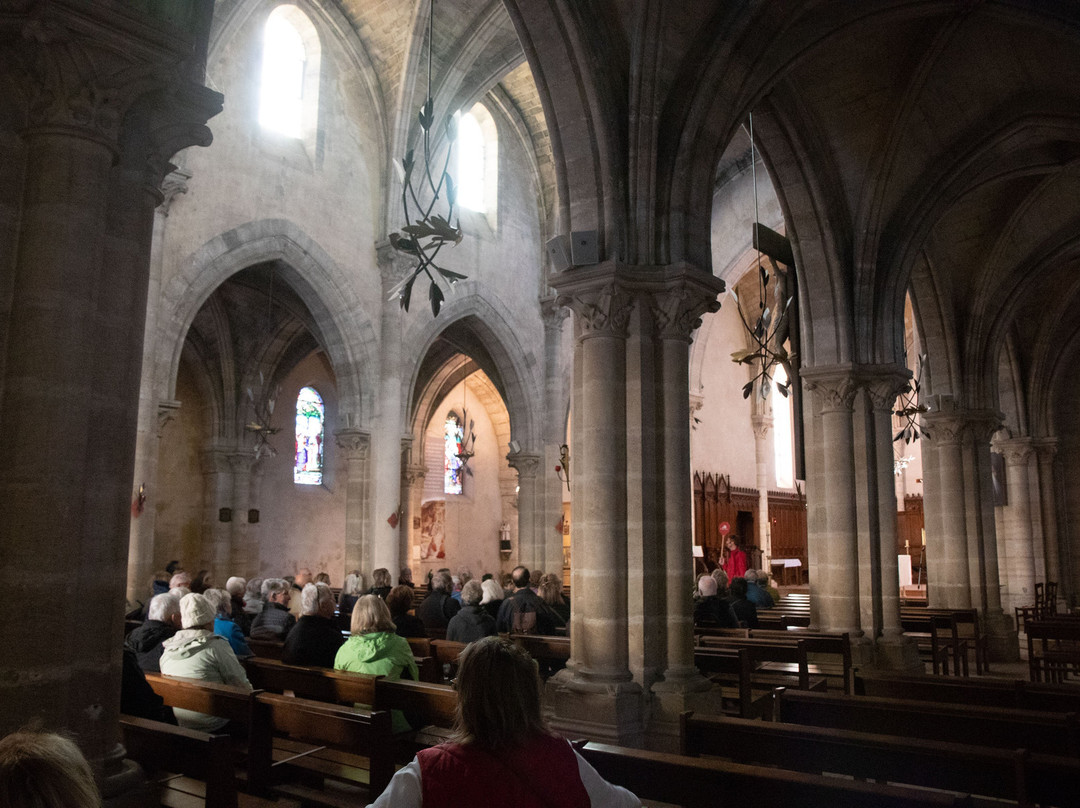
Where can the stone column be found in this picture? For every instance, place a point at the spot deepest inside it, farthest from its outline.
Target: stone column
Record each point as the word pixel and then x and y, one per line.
pixel 386 438
pixel 217 494
pixel 676 312
pixel 74 346
pixel 946 503
pixel 762 423
pixel 530 547
pixel 556 385
pixel 986 583
pixel 413 485
pixel 894 651
pixel 153 413
pixel 837 545
pixel 243 553
pixel 1046 451
pixel 355 445
pixel 1019 567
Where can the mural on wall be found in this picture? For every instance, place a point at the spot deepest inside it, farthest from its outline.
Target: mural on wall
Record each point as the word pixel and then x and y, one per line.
pixel 433 530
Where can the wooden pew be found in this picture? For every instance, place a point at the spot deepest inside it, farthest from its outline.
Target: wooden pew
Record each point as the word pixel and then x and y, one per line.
pixel 164 750
pixel 937 636
pixel 699 783
pixel 968 629
pixel 733 670
pixel 1010 774
pixel 1045 732
pixel 268 649
pixel 435 705
pixel 318 684
pixel 446 653
pixel 774 663
pixel 1054 648
pixel 315 740
pixel 224 701
pixel 421 646
pixel 550 652
pixel 1015 693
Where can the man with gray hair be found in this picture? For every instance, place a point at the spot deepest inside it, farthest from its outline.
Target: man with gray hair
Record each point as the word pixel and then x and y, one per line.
pixel 162 622
pixel 754 593
pixel 472 622
pixel 274 622
pixel 302 579
pixel 315 639
pixel 438 607
pixel 236 586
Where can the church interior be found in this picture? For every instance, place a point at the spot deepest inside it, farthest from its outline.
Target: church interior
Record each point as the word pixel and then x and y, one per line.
pixel 708 268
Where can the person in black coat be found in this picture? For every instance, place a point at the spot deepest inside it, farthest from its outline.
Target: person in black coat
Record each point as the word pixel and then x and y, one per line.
pixel 380 580
pixel 162 622
pixel 438 607
pixel 399 601
pixel 711 609
pixel 472 622
pixel 743 608
pixel 315 639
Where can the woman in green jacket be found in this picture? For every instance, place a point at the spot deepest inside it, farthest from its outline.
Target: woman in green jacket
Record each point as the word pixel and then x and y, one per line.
pixel 375 649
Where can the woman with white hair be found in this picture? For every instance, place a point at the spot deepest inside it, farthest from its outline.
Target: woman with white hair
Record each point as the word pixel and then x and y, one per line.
pixel 350 592
pixel 315 639
pixel 224 625
pixel 162 622
pixel 196 652
pixel 493 596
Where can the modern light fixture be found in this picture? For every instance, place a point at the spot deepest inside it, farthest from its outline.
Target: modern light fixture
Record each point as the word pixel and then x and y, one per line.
pixel 426 232
pixel 766 340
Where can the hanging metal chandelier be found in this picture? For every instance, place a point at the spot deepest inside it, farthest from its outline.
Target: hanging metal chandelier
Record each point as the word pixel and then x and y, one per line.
pixel 426 232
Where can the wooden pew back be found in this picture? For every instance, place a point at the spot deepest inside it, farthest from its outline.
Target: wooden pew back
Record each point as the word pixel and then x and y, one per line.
pixel 318 684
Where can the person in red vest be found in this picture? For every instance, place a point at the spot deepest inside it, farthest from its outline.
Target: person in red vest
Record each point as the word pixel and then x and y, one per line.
pixel 500 737
pixel 735 561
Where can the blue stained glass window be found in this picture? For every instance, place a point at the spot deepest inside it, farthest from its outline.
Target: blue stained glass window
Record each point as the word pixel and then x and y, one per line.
pixel 453 435
pixel 310 431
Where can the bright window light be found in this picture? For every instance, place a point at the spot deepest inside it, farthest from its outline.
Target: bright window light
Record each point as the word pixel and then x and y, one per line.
pixel 281 103
pixel 471 163
pixel 782 432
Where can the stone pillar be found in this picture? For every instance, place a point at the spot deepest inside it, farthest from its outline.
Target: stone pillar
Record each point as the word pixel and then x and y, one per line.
pixel 762 423
pixel 986 582
pixel 837 544
pixel 1046 451
pixel 217 495
pixel 413 492
pixel 355 445
pixel 153 413
pixel 1019 567
pixel 530 547
pixel 556 385
pixel 894 650
pixel 243 554
pixel 74 347
pixel 946 502
pixel 389 420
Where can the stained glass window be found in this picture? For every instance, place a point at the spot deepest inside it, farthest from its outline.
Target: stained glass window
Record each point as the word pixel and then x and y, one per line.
pixel 310 429
pixel 453 435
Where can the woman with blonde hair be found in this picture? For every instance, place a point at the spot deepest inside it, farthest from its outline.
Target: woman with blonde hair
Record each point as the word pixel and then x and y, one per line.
pixel 376 649
pixel 45 770
pixel 500 737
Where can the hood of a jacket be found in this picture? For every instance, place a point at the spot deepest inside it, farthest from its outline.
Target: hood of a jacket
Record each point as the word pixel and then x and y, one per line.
pixel 190 641
pixel 370 647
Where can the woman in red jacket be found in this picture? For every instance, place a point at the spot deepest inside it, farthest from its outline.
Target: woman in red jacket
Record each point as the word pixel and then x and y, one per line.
pixel 735 561
pixel 501 738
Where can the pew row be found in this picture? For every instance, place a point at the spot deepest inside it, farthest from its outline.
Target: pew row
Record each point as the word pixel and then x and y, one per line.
pixel 701 783
pixel 1010 774
pixel 1015 693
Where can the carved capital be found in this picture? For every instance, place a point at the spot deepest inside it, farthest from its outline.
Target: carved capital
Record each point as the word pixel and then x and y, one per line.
pixel 761 424
pixel 527 465
pixel 174 185
pixel 354 443
pixel 1017 451
pixel 603 311
pixel 884 384
pixel 677 311
pixel 393 265
pixel 1046 448
pixel 414 474
pixel 946 427
pixel 167 411
pixel 215 460
pixel 553 313
pixel 833 388
pixel 984 423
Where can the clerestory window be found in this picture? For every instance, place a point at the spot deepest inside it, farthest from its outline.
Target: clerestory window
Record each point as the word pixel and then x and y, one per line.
pixel 289 85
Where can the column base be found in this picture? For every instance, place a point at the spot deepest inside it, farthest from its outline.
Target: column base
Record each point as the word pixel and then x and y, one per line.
pixel 673 698
pixel 895 652
pixel 126 786
pixel 608 712
pixel 1002 641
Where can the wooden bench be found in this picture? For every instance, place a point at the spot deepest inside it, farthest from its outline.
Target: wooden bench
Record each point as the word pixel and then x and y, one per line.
pixel 165 751
pixel 318 684
pixel 1011 774
pixel 446 653
pixel 700 783
pixel 938 639
pixel 773 663
pixel 313 740
pixel 267 649
pixel 223 701
pixel 1054 648
pixel 968 630
pixel 434 706
pixel 1015 693
pixel 550 652
pixel 820 654
pixel 1004 728
pixel 733 670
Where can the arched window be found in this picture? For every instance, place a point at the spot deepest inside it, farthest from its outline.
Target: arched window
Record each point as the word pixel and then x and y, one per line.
pixel 453 471
pixel 478 162
pixel 310 431
pixel 289 86
pixel 783 441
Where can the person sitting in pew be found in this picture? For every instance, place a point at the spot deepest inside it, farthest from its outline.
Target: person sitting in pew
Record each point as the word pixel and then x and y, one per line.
pixel 743 608
pixel 275 621
pixel 438 607
pixel 399 601
pixel 711 609
pixel 550 592
pixel 236 587
pixel 315 639
pixel 197 652
pixel 755 594
pixel 472 622
pixel 162 622
pixel 224 623
pixel 45 770
pixel 375 649
pixel 500 737
pixel 493 596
